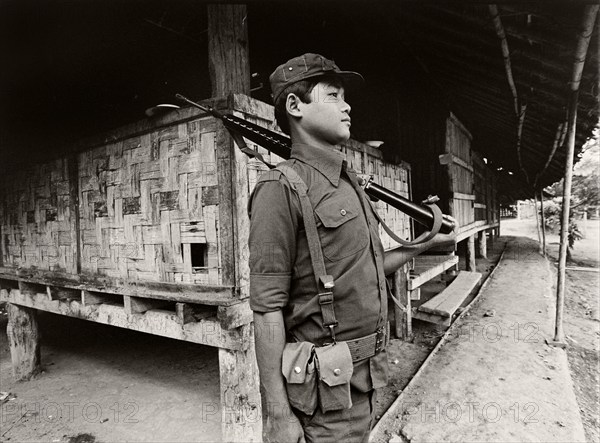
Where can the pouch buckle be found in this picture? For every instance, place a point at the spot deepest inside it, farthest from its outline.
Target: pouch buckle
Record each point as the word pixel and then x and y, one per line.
pixel 332 333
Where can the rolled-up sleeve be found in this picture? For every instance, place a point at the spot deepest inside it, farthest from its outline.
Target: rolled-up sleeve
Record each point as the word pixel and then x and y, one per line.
pixel 272 244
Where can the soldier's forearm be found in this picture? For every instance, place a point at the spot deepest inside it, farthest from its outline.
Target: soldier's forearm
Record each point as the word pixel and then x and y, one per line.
pixel 270 341
pixel 394 258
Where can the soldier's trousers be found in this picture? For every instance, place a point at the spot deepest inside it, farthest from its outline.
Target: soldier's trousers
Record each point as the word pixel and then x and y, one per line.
pixel 346 425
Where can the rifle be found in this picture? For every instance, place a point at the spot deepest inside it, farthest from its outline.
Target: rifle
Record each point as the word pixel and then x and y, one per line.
pixel 426 213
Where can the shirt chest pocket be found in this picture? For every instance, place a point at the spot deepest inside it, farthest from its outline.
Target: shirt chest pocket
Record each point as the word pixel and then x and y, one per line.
pixel 342 230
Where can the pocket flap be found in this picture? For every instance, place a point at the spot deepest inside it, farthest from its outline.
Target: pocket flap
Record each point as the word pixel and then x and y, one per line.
pixel 296 360
pixel 335 364
pixel 335 212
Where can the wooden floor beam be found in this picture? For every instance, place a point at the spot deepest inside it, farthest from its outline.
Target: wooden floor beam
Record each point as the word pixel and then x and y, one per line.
pixel 207 331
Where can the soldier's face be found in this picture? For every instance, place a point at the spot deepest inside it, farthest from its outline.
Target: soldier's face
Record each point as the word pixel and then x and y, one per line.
pixel 327 116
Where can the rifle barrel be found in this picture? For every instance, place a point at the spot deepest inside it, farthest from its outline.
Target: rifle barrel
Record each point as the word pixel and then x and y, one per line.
pixel 421 213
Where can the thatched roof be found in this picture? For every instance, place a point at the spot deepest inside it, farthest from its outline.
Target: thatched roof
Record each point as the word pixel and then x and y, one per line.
pixel 77 69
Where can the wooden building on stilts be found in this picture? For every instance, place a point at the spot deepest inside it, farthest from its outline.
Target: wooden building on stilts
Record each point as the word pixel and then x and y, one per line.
pixel 145 226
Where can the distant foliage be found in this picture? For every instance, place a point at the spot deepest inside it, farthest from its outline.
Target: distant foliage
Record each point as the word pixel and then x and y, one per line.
pixel 552 219
pixel 552 214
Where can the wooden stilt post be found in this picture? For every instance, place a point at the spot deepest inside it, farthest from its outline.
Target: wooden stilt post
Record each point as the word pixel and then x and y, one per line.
pixel 470 255
pixel 241 409
pixel 24 341
pixel 482 243
pixel 229 71
pixel 589 18
pixel 402 316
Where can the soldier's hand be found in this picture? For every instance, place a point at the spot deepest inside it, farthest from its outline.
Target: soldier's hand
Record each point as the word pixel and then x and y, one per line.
pixel 451 220
pixel 447 239
pixel 283 429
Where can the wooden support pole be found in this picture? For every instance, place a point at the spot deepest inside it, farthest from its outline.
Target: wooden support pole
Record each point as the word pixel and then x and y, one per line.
pixel 520 108
pixel 241 410
pixel 482 243
pixel 402 315
pixel 537 223
pixel 589 19
pixel 24 341
pixel 543 222
pixel 229 70
pixel 228 62
pixel 470 255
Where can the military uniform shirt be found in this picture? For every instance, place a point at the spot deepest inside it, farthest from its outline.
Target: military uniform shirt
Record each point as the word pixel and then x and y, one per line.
pixel 281 273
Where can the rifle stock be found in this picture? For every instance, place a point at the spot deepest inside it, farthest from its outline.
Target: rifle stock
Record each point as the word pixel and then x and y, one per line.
pixel 280 145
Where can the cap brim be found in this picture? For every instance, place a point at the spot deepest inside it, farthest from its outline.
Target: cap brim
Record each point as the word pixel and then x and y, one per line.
pixel 352 80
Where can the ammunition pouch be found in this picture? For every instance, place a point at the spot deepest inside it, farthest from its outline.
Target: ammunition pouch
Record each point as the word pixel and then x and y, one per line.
pixel 299 369
pixel 317 376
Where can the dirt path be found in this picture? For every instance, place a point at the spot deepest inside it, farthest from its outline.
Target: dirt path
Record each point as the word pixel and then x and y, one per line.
pixel 494 378
pixel 406 357
pixel 582 318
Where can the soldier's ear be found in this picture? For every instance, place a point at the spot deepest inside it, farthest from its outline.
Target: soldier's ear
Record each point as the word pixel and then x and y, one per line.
pixel 292 105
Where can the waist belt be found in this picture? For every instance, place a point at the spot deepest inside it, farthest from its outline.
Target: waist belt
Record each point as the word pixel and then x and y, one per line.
pixel 369 345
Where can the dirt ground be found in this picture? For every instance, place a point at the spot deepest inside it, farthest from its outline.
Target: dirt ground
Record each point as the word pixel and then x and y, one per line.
pixel 582 318
pixel 406 357
pixel 108 384
pixel 105 384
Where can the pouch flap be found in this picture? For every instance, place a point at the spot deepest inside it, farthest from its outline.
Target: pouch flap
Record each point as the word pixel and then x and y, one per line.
pixel 335 364
pixel 295 361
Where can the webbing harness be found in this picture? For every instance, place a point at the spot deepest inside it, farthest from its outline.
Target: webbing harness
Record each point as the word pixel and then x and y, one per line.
pixel 325 283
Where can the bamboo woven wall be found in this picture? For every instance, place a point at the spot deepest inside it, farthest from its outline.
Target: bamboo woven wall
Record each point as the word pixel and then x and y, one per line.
pixel 460 171
pixel 150 204
pixel 146 200
pixel 36 218
pixel 366 160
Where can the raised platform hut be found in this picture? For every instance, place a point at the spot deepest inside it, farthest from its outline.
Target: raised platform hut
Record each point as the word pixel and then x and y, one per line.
pixel 146 228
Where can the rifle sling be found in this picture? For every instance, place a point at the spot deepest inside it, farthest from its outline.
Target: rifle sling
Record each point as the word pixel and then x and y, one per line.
pixel 424 237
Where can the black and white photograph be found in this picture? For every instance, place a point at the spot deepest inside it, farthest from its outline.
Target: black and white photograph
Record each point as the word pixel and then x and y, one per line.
pixel 299 221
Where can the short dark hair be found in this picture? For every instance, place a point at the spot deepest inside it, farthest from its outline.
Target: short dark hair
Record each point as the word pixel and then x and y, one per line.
pixel 303 90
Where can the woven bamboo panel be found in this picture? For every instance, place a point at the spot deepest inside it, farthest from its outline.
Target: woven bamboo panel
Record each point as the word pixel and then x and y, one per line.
pixel 149 203
pixel 364 160
pixel 149 206
pixel 458 143
pixel 36 218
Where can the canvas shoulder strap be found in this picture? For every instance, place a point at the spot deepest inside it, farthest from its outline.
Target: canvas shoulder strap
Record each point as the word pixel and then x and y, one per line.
pixel 325 283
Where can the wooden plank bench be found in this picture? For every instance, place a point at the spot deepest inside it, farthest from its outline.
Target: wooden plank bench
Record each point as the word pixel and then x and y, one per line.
pixel 426 268
pixel 440 308
pixel 407 284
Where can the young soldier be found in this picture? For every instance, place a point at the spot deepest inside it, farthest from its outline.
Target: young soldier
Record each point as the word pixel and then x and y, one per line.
pixel 342 339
